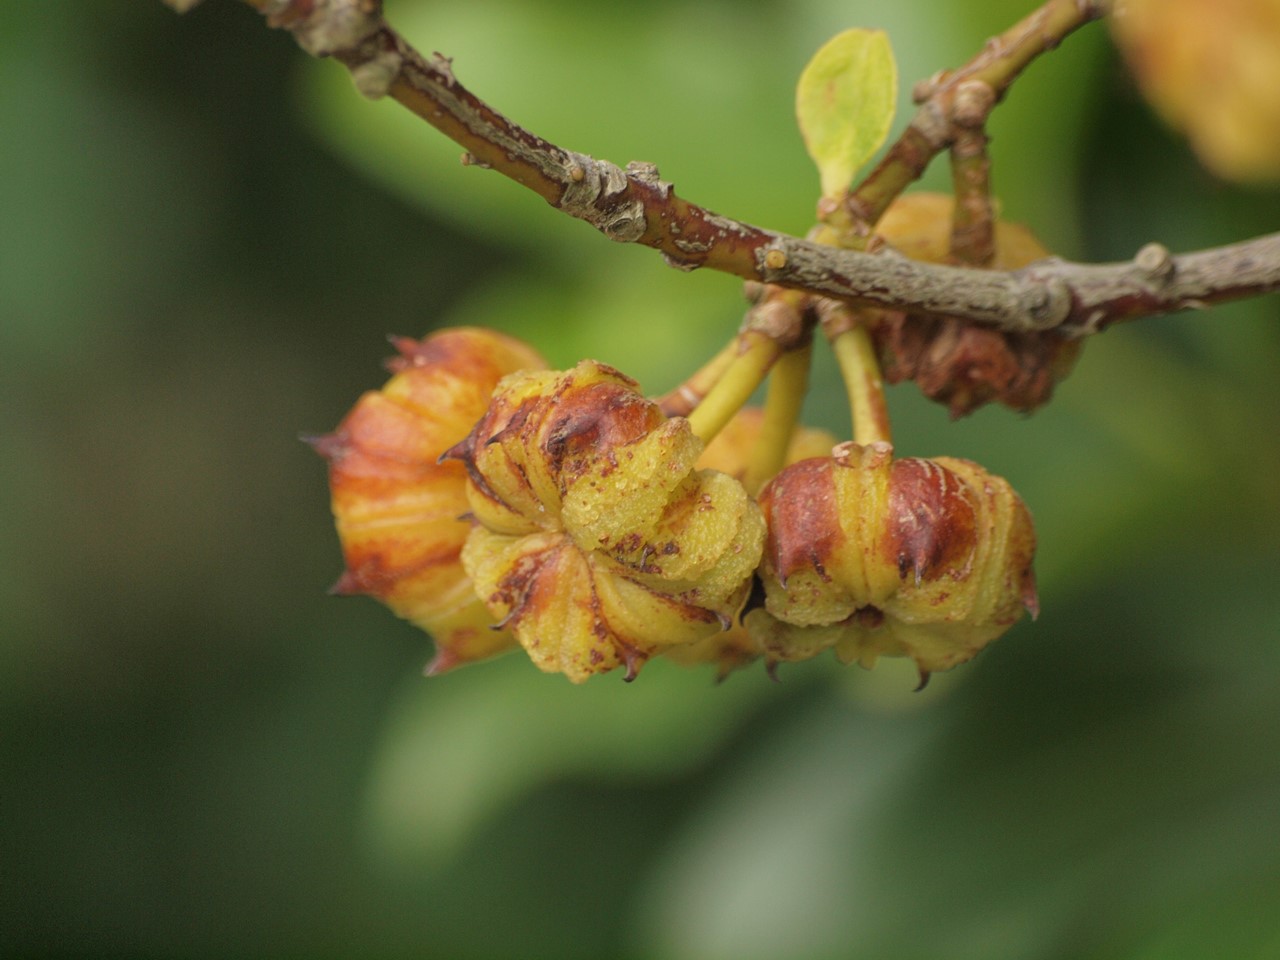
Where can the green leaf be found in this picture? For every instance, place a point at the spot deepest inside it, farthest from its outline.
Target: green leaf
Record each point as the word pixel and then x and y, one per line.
pixel 845 102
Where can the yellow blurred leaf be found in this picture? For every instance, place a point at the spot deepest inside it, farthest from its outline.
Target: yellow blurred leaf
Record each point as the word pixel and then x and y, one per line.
pixel 1212 70
pixel 845 103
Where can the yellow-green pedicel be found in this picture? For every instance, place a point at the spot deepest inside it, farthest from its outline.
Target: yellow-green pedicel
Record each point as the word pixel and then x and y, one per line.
pixel 596 542
pixel 930 559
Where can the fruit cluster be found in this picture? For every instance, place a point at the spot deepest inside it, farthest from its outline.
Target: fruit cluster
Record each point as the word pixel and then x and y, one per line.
pixel 496 504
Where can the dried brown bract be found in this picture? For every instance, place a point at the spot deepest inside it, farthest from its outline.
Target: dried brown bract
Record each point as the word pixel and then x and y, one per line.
pixel 953 361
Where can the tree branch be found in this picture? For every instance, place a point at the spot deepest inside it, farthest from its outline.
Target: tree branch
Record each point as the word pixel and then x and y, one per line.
pixel 953 101
pixel 636 206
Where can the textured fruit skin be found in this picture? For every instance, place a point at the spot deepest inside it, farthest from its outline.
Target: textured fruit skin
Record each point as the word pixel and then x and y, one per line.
pixel 957 363
pixel 398 510
pixel 929 559
pixel 729 453
pixel 597 542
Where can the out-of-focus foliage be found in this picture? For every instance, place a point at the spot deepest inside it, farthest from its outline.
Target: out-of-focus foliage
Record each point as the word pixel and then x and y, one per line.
pixel 1211 69
pixel 204 238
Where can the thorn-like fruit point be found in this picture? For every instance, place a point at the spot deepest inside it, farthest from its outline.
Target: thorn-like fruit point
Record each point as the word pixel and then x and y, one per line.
pixel 349 584
pixel 1031 595
pixel 331 446
pixel 632 660
pixel 444 661
pixel 409 354
pixel 459 451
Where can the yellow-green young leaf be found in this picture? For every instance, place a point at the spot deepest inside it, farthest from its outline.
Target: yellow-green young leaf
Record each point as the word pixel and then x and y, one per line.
pixel 845 102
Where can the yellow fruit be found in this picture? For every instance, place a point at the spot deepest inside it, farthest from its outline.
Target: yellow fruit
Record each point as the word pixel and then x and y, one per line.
pixel 597 543
pixel 1212 70
pixel 928 559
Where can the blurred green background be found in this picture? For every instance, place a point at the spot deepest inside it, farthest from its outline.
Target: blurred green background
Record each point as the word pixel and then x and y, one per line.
pixel 204 238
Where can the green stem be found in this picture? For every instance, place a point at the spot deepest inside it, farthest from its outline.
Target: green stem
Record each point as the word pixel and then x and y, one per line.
pixel 861 373
pixel 902 166
pixel 686 397
pixel 788 384
pixel 757 353
pixel 932 130
pixel 973 222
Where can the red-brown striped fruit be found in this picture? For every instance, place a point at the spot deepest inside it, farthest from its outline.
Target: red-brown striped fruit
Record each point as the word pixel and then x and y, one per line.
pixel 398 510
pixel 876 556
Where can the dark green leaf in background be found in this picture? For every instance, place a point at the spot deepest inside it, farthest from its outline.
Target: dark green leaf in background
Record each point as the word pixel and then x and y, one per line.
pixel 204 238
